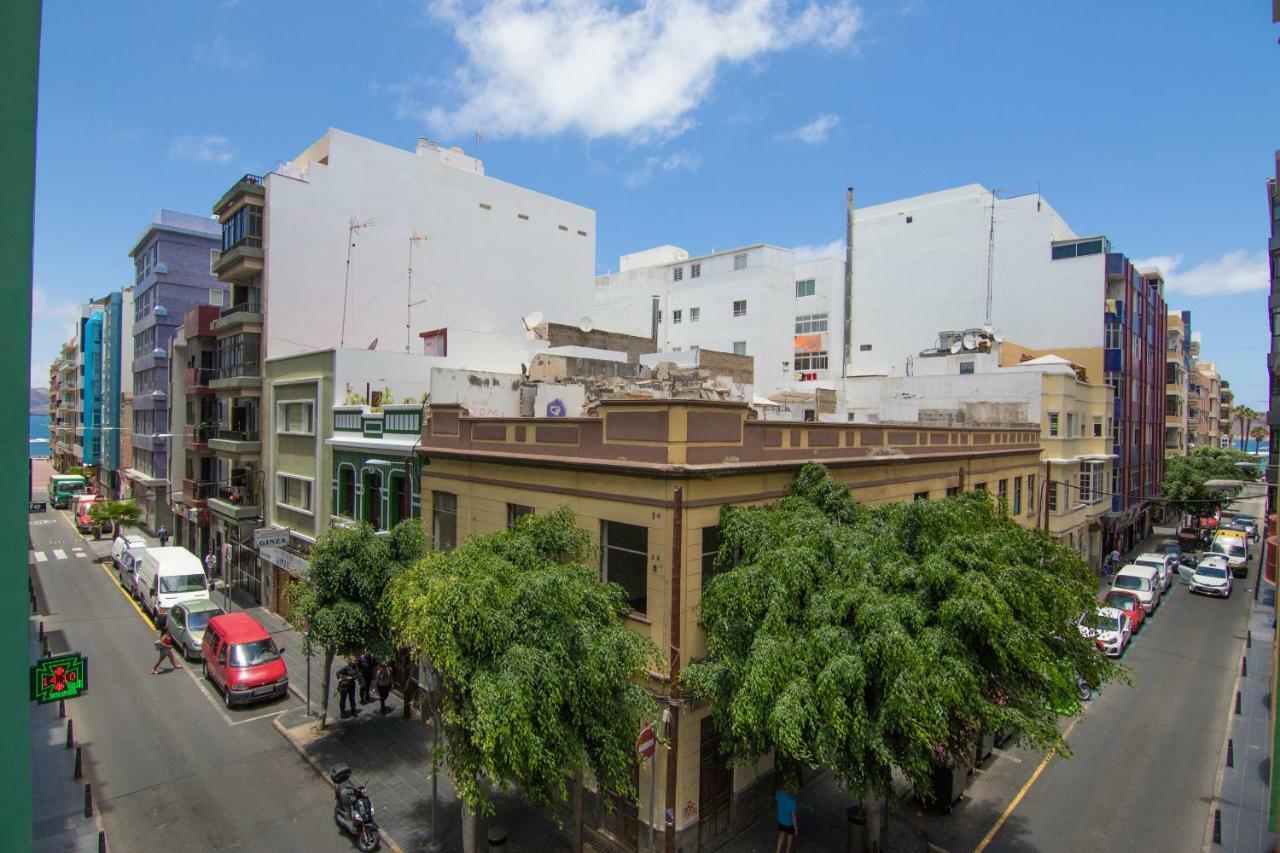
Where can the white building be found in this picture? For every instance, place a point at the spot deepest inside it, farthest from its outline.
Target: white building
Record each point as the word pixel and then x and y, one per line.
pixel 754 300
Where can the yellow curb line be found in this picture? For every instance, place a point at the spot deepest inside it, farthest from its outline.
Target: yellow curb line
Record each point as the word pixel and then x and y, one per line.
pixel 116 583
pixel 1022 792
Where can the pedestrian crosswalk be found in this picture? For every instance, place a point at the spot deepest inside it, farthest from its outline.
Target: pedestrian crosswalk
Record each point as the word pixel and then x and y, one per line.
pixel 57 554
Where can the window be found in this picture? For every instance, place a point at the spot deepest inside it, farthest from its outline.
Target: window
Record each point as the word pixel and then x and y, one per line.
pixel 806 287
pixel 695 270
pixel 807 324
pixel 739 307
pixel 1031 493
pixel 864 347
pixel 808 361
pixel 1071 424
pixel 244 227
pixel 444 520
pixel 1002 489
pixel 677 274
pixel 1053 424
pixel 347 491
pixel 1053 497
pixel 624 560
pixel 295 418
pixel 980 487
pixel 293 492
pixel 1086 483
pixel 952 491
pixel 710 549
pixel 1097 426
pixel 1017 495
pixel 966 368
pixel 920 496
pixel 740 261
pixel 1111 334
pixel 1113 380
pixel 216 296
pixel 515 512
pixel 739 347
pixel 695 314
pixel 676 316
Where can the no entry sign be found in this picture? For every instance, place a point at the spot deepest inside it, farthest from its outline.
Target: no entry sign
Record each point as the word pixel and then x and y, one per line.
pixel 646 742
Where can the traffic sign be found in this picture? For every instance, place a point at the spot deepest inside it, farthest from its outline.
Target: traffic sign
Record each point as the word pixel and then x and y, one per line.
pixel 646 743
pixel 61 677
pixel 37 506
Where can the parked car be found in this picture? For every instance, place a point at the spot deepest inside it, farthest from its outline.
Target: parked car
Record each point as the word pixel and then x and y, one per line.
pixel 1234 550
pixel 82 505
pixel 129 555
pixel 1163 563
pixel 1143 580
pixel 1212 578
pixel 1187 567
pixel 1172 549
pixel 168 576
pixel 187 622
pixel 1109 628
pixel 242 660
pixel 122 543
pixel 1250 525
pixel 1129 604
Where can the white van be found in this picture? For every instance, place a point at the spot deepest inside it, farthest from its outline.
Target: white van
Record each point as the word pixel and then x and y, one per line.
pixel 124 542
pixel 126 552
pixel 1142 580
pixel 168 576
pixel 1159 562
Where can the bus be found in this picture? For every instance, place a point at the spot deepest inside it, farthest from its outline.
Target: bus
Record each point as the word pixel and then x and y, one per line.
pixel 62 486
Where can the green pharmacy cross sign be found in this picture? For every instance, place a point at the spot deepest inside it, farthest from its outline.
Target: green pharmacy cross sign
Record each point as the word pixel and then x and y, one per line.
pixel 61 677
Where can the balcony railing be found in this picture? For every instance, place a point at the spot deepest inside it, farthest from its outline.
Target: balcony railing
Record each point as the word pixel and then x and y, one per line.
pixel 253 306
pixel 237 434
pixel 235 371
pixel 196 490
pixel 199 377
pixel 237 495
pixel 243 243
pixel 202 434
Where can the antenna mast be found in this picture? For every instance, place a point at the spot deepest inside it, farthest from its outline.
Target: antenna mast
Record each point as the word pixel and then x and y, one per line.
pixel 991 256
pixel 408 295
pixel 352 227
pixel 848 286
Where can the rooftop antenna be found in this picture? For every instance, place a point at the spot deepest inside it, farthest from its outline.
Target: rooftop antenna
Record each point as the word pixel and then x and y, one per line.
pixel 354 226
pixel 408 296
pixel 991 256
pixel 848 288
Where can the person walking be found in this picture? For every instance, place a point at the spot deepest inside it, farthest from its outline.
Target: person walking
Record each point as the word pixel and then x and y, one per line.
pixel 347 688
pixel 163 535
pixel 366 663
pixel 383 682
pixel 210 566
pixel 164 645
pixel 787 826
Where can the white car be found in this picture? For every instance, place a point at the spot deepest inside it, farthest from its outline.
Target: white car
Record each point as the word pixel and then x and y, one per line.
pixel 1236 554
pixel 1143 580
pixel 1212 578
pixel 1165 564
pixel 1109 628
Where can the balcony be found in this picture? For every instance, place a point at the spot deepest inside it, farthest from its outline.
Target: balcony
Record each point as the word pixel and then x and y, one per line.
pixel 197 438
pixel 198 321
pixel 236 442
pixel 235 503
pixel 242 314
pixel 247 185
pixel 237 377
pixel 241 261
pixel 196 492
pixel 199 379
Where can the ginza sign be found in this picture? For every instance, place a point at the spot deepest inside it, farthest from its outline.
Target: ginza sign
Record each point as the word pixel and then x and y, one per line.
pixel 270 537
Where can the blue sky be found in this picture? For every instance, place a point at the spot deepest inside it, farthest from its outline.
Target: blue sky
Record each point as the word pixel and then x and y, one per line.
pixel 704 124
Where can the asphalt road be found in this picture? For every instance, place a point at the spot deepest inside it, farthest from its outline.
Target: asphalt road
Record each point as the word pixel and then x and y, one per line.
pixel 1145 758
pixel 171 767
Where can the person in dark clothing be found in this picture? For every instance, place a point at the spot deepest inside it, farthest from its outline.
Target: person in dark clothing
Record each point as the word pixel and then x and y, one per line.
pixel 366 663
pixel 163 536
pixel 347 688
pixel 382 680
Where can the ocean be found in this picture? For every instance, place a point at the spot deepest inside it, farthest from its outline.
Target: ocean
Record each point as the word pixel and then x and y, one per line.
pixel 39 435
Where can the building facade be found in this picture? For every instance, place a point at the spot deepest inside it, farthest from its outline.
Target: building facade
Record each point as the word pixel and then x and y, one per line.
pixel 193 420
pixel 171 276
pixel 1226 401
pixel 647 480
pixel 1177 383
pixel 117 382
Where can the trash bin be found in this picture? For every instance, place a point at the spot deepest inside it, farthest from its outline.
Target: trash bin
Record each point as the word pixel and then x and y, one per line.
pixel 986 743
pixel 857 838
pixel 497 839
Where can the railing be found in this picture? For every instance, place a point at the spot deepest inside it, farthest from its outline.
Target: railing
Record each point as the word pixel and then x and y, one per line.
pixel 253 306
pixel 237 496
pixel 250 179
pixel 202 434
pixel 196 490
pixel 243 242
pixel 236 434
pixel 198 377
pixel 235 371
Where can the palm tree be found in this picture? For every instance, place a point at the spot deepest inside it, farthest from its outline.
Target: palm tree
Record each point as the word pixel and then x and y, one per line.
pixel 1257 434
pixel 1244 416
pixel 114 513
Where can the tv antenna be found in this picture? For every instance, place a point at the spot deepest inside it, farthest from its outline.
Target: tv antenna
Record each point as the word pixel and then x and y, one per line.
pixel 353 228
pixel 415 237
pixel 991 257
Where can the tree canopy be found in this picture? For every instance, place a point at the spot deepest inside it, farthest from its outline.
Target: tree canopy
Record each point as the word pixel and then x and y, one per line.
pixel 873 639
pixel 1185 487
pixel 538 675
pixel 113 514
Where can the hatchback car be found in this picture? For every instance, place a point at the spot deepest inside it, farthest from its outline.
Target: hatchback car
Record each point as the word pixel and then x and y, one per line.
pixel 1109 628
pixel 187 623
pixel 1212 578
pixel 1141 580
pixel 1127 603
pixel 242 660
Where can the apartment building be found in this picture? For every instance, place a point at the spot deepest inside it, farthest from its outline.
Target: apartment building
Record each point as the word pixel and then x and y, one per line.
pixel 64 398
pixel 171 276
pixel 1226 400
pixel 755 300
pixel 1273 358
pixel 647 480
pixel 1177 383
pixel 117 384
pixel 1205 393
pixel 193 421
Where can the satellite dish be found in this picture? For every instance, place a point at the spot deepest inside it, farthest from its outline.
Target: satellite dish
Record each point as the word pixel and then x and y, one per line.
pixel 970 341
pixel 999 338
pixel 586 324
pixel 373 344
pixel 531 320
pixel 956 347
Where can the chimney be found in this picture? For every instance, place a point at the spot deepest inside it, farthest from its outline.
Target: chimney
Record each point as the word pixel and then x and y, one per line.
pixel 423 145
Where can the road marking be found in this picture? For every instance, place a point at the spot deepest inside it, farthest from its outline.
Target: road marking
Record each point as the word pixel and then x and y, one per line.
pixel 76 552
pixel 129 598
pixel 59 554
pixel 1022 792
pixel 212 688
pixel 40 556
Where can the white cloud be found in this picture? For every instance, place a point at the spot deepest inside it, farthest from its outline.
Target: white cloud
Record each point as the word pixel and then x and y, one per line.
pixel 42 308
pixel 1233 272
pixel 210 148
pixel 834 249
pixel 813 133
pixel 680 161
pixel 224 57
pixel 542 67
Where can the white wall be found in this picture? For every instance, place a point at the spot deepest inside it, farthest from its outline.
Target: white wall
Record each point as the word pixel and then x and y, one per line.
pixel 485 395
pixel 480 269
pixel 900 398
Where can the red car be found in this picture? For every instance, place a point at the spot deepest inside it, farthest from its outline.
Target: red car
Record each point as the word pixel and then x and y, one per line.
pixel 242 660
pixel 1128 602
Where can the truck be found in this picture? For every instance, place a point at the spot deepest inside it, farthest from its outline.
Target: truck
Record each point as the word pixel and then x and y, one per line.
pixel 61 487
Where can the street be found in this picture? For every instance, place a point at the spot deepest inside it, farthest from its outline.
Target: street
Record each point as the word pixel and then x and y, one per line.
pixel 170 766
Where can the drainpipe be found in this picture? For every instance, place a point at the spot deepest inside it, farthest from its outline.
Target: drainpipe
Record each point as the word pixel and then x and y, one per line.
pixel 673 668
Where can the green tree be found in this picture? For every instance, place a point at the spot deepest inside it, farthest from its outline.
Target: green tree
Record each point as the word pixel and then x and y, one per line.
pixel 1258 433
pixel 1245 417
pixel 338 603
pixel 537 676
pixel 1185 488
pixel 113 514
pixel 870 640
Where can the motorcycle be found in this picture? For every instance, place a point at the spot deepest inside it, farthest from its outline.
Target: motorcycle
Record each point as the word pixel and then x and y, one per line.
pixel 353 812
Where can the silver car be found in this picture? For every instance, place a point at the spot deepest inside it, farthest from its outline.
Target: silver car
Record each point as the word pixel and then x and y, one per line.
pixel 186 624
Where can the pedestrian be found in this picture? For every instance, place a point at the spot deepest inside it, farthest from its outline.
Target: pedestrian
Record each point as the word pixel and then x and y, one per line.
pixel 1115 556
pixel 383 681
pixel 164 645
pixel 163 535
pixel 366 663
pixel 787 826
pixel 210 566
pixel 347 688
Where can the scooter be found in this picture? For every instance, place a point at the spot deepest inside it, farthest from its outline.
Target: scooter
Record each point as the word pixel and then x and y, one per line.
pixel 353 811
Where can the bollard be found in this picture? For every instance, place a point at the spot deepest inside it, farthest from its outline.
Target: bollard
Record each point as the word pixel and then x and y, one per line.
pixel 70 734
pixel 42 631
pixel 497 839
pixel 1244 667
pixel 102 841
pixel 1217 826
pixel 78 773
pixel 1248 639
pixel 44 651
pixel 1231 753
pixel 62 709
pixel 88 801
pixel 1237 701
